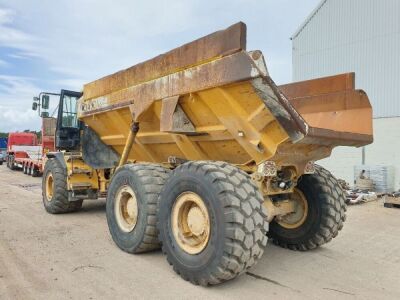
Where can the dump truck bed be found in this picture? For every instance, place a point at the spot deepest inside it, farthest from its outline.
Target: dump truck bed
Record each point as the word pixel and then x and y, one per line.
pixel 212 100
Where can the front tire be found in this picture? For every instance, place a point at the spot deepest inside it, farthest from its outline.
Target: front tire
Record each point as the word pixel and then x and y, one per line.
pixel 35 172
pixel 211 222
pixel 132 205
pixel 54 189
pixel 326 211
pixel 12 163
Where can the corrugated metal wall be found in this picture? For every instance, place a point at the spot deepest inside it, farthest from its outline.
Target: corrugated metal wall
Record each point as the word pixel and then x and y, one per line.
pixel 361 36
pixel 384 151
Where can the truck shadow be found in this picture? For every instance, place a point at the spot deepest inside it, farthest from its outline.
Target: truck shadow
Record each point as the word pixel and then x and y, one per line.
pixel 280 269
pixel 93 206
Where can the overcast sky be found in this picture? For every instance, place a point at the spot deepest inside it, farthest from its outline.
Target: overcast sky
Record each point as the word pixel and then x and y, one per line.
pixel 49 45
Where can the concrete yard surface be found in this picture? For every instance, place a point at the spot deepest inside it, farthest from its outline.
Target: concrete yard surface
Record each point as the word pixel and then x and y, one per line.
pixel 72 256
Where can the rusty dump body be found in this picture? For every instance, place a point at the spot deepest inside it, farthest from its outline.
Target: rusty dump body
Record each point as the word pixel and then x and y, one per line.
pixel 213 100
pixel 199 151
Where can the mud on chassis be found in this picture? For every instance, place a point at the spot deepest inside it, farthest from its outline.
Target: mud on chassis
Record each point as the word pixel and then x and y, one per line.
pixel 162 158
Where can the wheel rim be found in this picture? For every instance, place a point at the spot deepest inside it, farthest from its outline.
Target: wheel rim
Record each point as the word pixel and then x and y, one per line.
pixel 126 208
pixel 190 223
pixel 299 216
pixel 49 187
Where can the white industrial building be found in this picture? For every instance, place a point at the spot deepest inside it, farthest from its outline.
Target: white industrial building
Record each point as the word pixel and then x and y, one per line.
pixel 361 36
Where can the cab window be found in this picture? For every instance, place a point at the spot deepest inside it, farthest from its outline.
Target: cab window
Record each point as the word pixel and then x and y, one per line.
pixel 69 114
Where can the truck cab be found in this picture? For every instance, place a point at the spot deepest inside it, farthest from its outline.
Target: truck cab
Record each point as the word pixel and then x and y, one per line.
pixel 68 126
pixel 67 131
pixel 65 158
pixel 2 157
pixel 3 149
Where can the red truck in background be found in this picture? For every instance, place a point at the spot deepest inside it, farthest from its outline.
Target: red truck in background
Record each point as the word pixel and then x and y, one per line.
pixel 24 152
pixel 18 143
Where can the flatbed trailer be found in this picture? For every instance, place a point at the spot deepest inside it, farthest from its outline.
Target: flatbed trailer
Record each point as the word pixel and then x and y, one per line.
pixel 32 158
pixel 34 165
pixel 18 145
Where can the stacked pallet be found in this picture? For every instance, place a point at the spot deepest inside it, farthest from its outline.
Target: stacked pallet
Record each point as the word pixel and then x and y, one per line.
pixel 392 200
pixel 381 176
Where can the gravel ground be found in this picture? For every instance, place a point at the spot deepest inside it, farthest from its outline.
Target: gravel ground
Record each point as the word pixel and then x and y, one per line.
pixel 72 256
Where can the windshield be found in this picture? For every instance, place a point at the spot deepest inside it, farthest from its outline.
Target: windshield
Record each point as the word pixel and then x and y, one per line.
pixel 69 115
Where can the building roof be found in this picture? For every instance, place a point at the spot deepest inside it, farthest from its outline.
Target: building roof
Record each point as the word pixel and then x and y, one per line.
pixel 308 19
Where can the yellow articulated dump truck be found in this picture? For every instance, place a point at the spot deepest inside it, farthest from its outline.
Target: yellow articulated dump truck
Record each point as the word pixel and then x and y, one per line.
pixel 199 152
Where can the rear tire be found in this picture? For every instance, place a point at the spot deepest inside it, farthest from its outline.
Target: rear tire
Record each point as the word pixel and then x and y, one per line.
pixel 12 163
pixel 326 213
pixel 54 189
pixel 132 205
pixel 24 169
pixel 232 207
pixel 35 172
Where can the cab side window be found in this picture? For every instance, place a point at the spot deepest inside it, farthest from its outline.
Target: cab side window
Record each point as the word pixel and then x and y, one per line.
pixel 69 114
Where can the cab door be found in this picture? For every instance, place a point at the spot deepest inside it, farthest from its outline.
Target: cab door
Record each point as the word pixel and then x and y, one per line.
pixel 68 125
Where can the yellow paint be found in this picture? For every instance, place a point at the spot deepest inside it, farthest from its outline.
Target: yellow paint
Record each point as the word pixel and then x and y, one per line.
pixel 232 124
pixel 76 163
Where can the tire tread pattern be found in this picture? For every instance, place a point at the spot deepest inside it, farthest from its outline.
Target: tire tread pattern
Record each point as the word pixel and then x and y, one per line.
pixel 333 211
pixel 59 204
pixel 245 215
pixel 152 178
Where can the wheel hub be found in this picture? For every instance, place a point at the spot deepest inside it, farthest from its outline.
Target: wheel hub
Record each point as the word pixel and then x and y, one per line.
pixel 190 223
pixel 196 221
pixel 126 208
pixel 49 187
pixel 299 215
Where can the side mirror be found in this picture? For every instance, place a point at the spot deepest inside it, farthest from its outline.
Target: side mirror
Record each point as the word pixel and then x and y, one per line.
pixel 44 114
pixel 45 101
pixel 34 106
